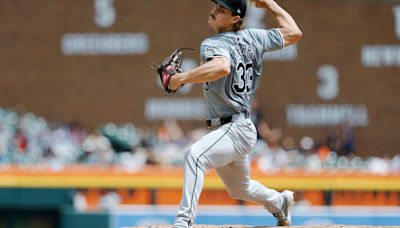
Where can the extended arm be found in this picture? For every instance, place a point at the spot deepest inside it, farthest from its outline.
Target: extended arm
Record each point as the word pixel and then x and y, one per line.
pixel 212 70
pixel 287 26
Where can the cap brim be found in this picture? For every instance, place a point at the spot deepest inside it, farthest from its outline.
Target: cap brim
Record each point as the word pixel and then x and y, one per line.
pixel 223 4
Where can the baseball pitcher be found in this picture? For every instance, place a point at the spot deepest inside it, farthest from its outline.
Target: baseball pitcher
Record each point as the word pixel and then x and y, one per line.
pixel 230 72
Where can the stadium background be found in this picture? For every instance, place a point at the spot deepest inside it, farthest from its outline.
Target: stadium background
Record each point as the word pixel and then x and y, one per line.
pixel 86 63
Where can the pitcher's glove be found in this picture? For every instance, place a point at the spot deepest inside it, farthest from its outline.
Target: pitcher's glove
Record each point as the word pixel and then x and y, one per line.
pixel 170 66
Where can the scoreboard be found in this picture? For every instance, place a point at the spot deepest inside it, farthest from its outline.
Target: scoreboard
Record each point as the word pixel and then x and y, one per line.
pixel 88 61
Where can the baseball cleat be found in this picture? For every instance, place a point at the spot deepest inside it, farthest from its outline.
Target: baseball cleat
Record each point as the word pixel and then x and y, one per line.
pixel 283 216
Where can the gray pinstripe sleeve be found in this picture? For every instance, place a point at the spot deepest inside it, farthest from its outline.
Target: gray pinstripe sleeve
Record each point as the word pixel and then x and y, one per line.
pixel 211 48
pixel 270 39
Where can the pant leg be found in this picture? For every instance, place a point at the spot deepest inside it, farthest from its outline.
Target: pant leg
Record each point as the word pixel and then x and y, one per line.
pixel 236 177
pixel 215 149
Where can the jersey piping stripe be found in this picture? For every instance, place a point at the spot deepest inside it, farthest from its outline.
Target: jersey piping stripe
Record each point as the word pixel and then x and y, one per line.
pixel 195 180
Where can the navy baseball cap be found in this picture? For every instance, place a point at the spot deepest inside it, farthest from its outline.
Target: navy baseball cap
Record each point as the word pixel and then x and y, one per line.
pixel 238 7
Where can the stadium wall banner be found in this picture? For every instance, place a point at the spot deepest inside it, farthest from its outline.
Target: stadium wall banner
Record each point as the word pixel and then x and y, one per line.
pixel 88 62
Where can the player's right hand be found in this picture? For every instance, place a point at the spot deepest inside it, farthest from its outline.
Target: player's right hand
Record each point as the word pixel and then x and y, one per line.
pixel 260 3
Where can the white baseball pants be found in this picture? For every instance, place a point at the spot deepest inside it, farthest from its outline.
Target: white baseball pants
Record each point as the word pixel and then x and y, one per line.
pixel 226 149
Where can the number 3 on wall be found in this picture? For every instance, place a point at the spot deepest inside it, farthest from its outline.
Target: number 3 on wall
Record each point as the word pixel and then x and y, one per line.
pixel 328 89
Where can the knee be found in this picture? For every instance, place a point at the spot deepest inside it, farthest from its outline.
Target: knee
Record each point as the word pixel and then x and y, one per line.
pixel 192 158
pixel 239 192
pixel 189 155
pixel 234 194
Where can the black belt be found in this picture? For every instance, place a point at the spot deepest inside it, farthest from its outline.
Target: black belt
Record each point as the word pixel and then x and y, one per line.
pixel 226 119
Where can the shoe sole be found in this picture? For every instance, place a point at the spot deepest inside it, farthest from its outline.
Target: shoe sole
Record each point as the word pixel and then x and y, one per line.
pixel 284 222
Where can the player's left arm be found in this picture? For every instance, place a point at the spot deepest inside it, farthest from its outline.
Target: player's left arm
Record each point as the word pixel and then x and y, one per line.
pixel 212 70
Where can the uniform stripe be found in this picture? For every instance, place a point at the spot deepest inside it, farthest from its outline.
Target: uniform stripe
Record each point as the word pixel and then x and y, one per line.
pixel 195 180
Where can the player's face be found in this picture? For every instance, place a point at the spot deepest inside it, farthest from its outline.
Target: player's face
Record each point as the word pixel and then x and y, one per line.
pixel 221 19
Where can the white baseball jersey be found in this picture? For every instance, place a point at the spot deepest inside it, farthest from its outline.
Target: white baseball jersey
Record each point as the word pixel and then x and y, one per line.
pixel 227 146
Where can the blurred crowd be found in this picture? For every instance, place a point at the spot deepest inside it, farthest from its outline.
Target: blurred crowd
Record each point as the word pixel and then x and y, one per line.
pixel 26 139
